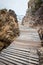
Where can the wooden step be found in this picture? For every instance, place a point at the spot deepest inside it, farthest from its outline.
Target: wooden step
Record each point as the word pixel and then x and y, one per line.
pixel 22 56
pixel 19 56
pixel 28 54
pixel 6 62
pixel 18 59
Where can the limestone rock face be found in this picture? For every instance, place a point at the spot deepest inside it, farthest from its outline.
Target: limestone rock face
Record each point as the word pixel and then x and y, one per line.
pixel 9 28
pixel 34 14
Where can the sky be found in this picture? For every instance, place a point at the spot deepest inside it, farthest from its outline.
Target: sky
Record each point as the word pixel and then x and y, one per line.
pixel 19 6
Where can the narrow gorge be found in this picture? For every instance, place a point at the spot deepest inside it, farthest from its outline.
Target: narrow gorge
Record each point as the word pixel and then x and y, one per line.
pixel 21 37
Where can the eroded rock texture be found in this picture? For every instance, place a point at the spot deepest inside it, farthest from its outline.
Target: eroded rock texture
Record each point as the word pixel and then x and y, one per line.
pixel 34 14
pixel 9 28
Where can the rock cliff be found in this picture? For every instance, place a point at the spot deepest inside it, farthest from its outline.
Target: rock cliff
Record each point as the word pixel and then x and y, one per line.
pixel 9 28
pixel 34 14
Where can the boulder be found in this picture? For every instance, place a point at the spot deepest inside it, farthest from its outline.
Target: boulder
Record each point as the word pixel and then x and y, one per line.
pixel 9 28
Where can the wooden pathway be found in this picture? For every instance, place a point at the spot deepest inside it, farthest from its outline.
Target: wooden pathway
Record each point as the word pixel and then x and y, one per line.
pixel 23 51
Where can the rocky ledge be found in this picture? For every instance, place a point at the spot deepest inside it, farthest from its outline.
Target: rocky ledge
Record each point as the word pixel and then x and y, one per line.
pixel 9 28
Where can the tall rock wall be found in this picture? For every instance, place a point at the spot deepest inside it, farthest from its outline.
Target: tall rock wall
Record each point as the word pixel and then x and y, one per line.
pixel 9 28
pixel 34 13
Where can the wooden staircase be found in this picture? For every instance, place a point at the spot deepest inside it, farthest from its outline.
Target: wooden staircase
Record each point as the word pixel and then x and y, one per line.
pixel 19 56
pixel 23 51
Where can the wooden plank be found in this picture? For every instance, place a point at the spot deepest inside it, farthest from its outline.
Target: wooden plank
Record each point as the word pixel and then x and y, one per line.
pixel 22 56
pixel 6 62
pixel 15 61
pixel 19 59
pixel 13 47
pixel 17 50
pixel 23 53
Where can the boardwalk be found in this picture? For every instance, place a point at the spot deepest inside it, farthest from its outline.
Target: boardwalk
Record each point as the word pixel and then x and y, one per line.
pixel 28 37
pixel 23 51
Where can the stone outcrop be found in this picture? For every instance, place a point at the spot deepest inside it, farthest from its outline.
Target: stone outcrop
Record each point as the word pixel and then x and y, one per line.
pixel 9 28
pixel 34 14
pixel 40 31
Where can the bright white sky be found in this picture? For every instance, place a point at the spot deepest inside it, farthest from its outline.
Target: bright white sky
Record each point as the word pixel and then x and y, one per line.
pixel 19 6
